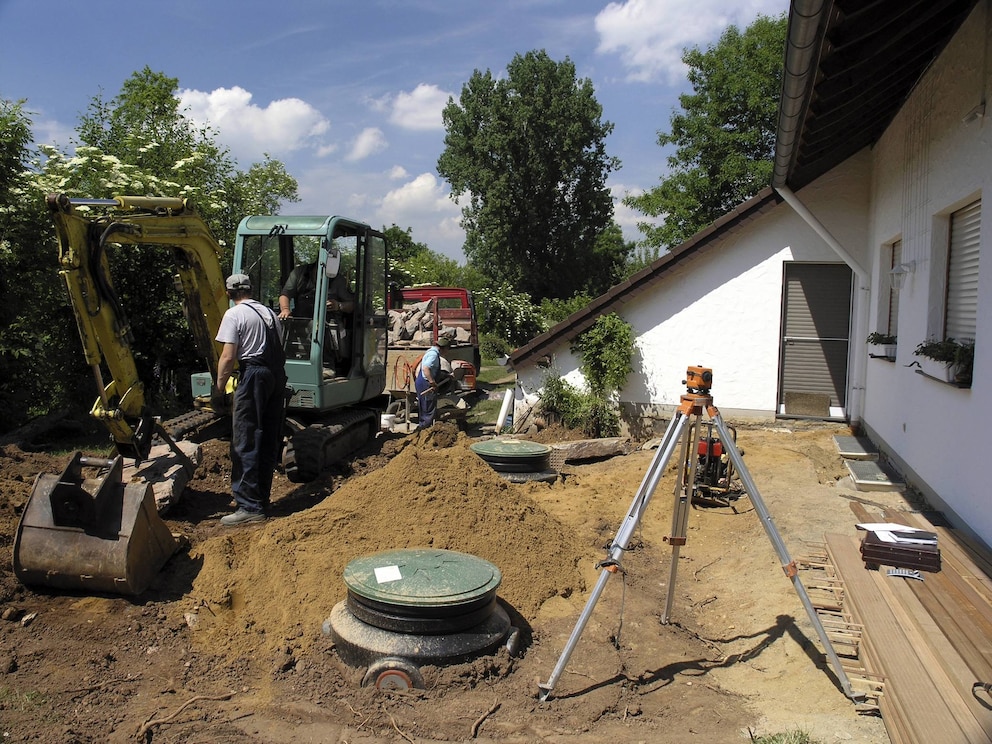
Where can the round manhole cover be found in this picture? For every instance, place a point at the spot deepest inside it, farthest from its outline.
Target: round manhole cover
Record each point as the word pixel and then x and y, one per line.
pixel 423 578
pixel 513 455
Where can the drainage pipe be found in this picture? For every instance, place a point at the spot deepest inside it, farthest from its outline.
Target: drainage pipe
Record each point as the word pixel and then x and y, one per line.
pixel 504 410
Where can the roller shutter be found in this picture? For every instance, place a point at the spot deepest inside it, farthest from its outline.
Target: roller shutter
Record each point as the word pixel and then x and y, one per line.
pixel 815 338
pixel 962 273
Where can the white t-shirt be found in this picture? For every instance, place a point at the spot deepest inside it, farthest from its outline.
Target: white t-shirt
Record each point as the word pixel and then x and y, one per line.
pixel 243 327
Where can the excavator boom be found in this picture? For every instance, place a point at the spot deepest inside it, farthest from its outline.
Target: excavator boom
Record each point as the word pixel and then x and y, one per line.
pixel 103 325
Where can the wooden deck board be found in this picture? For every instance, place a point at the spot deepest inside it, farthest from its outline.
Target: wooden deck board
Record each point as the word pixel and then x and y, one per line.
pixel 909 686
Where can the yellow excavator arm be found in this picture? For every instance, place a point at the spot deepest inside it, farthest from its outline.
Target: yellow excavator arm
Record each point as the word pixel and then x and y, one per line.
pixel 84 227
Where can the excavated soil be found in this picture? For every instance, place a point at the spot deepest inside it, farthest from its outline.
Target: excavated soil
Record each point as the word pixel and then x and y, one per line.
pixel 226 646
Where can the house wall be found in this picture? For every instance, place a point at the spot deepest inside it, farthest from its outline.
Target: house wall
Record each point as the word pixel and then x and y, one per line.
pixel 722 308
pixel 928 163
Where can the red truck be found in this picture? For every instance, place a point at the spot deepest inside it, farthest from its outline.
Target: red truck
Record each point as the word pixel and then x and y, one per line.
pixel 418 316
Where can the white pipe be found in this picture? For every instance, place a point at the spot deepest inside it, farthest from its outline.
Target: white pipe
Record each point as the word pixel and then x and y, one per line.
pixel 810 219
pixel 504 410
pixel 861 305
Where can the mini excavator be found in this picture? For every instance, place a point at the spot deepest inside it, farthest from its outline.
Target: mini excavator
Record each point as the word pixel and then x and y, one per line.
pixel 77 531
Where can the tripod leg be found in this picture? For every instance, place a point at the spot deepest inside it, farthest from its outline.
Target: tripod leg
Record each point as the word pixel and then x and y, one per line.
pixel 637 507
pixel 788 564
pixel 680 513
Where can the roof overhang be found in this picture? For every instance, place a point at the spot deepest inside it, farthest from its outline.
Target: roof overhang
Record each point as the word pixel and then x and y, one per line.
pixel 850 65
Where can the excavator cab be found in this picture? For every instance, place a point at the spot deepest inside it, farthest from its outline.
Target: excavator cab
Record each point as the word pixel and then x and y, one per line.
pixel 336 333
pixel 333 270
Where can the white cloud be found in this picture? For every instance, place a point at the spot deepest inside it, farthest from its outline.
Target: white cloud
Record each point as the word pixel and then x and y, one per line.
pixel 650 35
pixel 397 172
pixel 377 198
pixel 249 130
pixel 369 142
pixel 424 194
pixel 420 109
pixel 52 132
pixel 423 204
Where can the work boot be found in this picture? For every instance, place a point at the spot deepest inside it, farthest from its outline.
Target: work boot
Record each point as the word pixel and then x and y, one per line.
pixel 242 516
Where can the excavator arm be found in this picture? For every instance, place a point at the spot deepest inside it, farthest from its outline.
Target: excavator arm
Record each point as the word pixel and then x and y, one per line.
pixel 103 326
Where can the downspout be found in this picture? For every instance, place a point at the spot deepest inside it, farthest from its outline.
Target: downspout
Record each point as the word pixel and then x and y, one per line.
pixel 859 358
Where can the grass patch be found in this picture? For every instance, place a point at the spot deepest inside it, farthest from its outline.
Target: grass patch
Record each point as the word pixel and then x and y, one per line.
pixel 484 411
pixel 788 737
pixel 492 380
pixel 22 701
pixel 494 374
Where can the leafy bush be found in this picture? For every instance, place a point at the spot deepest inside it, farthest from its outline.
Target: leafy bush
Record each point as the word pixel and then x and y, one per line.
pixel 561 402
pixel 606 351
pixel 509 314
pixel 493 347
pixel 555 311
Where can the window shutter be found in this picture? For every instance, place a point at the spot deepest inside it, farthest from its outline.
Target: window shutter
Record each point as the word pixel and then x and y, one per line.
pixel 960 320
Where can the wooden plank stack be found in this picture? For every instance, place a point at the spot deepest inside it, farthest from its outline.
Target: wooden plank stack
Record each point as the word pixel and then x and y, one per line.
pixel 927 639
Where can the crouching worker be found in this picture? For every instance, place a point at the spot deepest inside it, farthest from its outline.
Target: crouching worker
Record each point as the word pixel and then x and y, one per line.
pixel 252 336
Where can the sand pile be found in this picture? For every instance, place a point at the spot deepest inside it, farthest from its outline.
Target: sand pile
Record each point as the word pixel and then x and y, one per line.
pixel 269 585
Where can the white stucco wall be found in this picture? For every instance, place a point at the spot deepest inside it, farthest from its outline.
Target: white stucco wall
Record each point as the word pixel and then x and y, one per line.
pixel 928 163
pixel 723 309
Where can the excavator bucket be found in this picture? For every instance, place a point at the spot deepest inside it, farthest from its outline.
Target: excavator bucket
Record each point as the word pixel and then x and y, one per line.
pixel 91 534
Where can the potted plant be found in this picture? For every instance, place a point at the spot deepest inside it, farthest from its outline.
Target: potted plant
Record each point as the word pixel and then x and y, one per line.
pixel 885 342
pixel 949 360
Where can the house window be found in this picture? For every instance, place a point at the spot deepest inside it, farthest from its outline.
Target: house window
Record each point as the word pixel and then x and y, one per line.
pixel 961 297
pixel 890 314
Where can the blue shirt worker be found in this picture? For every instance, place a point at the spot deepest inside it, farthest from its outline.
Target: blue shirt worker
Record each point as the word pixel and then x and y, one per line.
pixel 428 374
pixel 252 337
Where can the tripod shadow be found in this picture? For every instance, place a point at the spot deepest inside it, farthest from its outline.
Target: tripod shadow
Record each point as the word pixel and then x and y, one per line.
pixel 785 625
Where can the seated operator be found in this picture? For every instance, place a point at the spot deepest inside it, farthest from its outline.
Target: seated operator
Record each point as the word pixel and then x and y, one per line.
pixel 302 286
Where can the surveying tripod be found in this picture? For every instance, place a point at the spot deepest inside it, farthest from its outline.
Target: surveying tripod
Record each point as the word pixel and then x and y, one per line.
pixel 685 427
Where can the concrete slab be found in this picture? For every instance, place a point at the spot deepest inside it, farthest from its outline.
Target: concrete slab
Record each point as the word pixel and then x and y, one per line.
pixel 873 475
pixel 855 448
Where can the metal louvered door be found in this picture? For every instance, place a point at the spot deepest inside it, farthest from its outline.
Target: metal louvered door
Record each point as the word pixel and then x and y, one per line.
pixel 816 323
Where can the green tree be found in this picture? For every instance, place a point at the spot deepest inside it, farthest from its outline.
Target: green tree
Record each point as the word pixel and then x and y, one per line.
pixel 140 142
pixel 555 311
pixel 402 246
pixel 35 323
pixel 528 149
pixel 148 145
pixel 724 135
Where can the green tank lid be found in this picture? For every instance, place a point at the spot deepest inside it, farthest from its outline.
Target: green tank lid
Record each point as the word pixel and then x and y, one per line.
pixel 510 448
pixel 422 577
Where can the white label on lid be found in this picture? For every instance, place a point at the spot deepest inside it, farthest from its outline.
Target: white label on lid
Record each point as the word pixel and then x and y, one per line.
pixel 385 574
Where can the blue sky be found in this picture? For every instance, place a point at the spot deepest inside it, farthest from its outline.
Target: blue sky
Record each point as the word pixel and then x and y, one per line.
pixel 349 94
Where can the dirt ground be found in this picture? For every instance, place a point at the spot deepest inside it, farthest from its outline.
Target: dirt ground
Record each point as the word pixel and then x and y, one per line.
pixel 227 645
